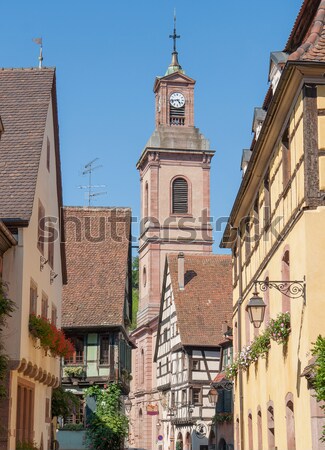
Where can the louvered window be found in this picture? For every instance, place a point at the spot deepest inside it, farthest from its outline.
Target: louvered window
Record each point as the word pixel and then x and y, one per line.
pixel 180 196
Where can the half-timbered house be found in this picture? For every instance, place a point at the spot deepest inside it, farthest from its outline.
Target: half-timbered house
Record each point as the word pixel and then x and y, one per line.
pixel 97 302
pixel 196 301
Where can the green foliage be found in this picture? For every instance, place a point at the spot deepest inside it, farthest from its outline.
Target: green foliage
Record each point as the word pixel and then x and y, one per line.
pixel 74 371
pixel 135 291
pixel 135 273
pixel 261 345
pixel 222 418
pixel 278 330
pixel 7 307
pixel 135 306
pixel 26 445
pixel 108 426
pixel 179 445
pixel 64 403
pixel 319 381
pixel 73 427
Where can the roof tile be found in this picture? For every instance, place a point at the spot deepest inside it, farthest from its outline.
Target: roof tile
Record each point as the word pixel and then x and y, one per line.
pixel 97 248
pixel 206 301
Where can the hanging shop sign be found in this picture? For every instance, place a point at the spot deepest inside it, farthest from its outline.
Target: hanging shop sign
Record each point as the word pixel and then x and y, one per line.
pixel 152 410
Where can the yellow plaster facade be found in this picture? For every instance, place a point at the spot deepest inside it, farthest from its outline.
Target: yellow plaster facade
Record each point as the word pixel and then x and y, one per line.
pixel 283 195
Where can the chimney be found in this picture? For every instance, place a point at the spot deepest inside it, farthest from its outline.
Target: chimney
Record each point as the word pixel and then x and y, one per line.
pixel 181 271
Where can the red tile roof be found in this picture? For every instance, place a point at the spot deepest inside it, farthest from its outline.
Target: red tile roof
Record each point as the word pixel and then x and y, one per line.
pixel 206 302
pixel 308 33
pixel 25 96
pixel 98 252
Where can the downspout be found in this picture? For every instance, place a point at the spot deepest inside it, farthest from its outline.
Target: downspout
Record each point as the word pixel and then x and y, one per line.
pixel 239 344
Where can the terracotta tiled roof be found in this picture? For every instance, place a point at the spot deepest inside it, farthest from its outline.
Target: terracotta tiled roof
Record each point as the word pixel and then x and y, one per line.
pixel 25 96
pixel 312 45
pixel 206 302
pixel 97 248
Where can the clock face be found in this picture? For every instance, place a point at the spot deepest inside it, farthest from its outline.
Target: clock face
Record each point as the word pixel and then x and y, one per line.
pixel 177 100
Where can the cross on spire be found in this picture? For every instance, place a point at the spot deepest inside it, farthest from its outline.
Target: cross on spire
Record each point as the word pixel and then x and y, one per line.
pixel 174 36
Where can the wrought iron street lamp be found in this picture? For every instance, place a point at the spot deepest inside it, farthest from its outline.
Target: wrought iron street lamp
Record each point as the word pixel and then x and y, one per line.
pixel 213 396
pixel 256 306
pixel 256 309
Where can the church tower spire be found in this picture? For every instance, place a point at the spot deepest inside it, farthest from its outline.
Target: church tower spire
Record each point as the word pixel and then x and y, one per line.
pixel 174 66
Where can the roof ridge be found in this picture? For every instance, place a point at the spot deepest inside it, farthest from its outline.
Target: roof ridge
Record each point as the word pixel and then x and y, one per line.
pixel 36 69
pixel 97 208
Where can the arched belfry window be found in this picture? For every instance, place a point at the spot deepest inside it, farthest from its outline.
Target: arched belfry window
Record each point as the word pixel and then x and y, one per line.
pixel 179 196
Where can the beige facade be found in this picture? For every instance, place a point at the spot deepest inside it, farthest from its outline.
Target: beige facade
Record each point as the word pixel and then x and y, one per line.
pixel 31 270
pixel 283 195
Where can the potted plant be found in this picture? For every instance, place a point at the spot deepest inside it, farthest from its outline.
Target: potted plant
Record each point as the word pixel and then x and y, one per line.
pixel 74 371
pixel 26 445
pixel 50 338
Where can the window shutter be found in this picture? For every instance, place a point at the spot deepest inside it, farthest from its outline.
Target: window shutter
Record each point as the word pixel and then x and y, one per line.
pixel 220 403
pixel 180 196
pixel 228 401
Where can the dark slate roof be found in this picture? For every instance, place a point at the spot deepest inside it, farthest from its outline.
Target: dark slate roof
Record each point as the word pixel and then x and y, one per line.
pixel 24 101
pixel 206 301
pixel 97 248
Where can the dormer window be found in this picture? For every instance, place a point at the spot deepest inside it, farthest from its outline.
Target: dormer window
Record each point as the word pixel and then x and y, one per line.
pixel 246 156
pixel 277 63
pixel 258 119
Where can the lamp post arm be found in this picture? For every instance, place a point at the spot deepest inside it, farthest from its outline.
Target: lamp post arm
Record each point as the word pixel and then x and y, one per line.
pixel 291 289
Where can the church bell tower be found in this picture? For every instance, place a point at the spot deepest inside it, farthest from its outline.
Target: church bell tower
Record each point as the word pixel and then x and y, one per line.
pixel 175 184
pixel 174 170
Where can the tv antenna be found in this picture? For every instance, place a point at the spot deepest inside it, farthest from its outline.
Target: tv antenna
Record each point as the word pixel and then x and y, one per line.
pixel 88 170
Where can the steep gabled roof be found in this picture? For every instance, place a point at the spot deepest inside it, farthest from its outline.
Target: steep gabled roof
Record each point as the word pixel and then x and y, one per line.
pixel 25 96
pixel 206 301
pixel 98 260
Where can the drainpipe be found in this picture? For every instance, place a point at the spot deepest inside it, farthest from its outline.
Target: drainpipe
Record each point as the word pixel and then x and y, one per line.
pixel 239 343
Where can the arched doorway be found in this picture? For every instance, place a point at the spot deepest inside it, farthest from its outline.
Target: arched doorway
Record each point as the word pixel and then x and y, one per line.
pixel 179 442
pixel 222 444
pixel 188 441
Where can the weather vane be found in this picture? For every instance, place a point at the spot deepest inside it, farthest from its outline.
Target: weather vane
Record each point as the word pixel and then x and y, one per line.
pixel 39 41
pixel 174 36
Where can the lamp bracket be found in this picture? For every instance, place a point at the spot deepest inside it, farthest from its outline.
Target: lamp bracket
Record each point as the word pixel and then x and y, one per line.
pixel 291 289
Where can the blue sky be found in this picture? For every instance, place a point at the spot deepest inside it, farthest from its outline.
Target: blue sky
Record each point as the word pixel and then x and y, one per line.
pixel 107 55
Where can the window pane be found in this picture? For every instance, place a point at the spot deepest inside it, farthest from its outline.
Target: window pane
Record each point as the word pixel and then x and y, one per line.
pixel 104 350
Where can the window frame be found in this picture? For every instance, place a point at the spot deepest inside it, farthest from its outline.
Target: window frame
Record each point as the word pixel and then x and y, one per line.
pixel 33 301
pixel 188 199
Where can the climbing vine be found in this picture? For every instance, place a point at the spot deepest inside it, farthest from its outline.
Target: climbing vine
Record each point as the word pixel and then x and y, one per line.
pixel 278 330
pixel 107 427
pixel 318 351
